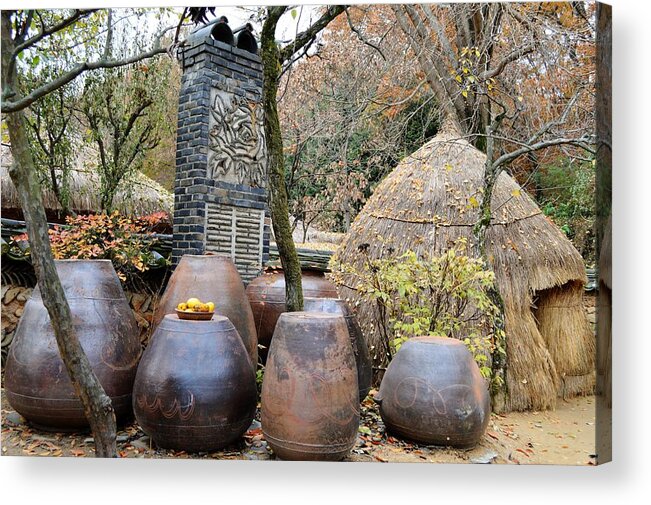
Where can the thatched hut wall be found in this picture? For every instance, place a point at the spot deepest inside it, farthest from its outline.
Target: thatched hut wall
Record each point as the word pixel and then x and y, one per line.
pixel 429 201
pixel 137 196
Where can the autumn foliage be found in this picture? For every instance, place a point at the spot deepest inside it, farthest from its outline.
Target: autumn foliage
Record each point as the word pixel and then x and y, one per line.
pixel 126 241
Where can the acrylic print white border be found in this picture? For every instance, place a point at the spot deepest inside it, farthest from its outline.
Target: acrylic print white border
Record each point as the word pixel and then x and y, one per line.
pixel 626 480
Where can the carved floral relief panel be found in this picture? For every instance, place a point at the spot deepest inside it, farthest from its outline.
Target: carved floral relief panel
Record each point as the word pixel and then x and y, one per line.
pixel 237 151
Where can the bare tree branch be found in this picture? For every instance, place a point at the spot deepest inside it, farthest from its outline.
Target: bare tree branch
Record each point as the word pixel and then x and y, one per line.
pixel 360 35
pixel 25 26
pixel 109 36
pixel 62 80
pixel 440 32
pixel 514 55
pixel 560 120
pixel 45 32
pixel 582 142
pixel 417 43
pixel 309 34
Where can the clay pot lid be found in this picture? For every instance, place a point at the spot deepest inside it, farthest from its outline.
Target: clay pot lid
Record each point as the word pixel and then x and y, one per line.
pixel 82 260
pixel 209 255
pixel 309 315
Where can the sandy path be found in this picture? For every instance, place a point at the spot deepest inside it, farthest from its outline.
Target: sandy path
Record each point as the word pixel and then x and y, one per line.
pixel 564 436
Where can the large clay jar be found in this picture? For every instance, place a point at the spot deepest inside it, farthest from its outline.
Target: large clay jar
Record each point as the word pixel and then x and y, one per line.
pixel 195 387
pixel 212 277
pixel 36 381
pixel 310 408
pixel 267 298
pixel 362 357
pixel 432 392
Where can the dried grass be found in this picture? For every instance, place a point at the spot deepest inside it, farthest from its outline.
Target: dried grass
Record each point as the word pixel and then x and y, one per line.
pixel 429 201
pixel 137 196
pixel 571 343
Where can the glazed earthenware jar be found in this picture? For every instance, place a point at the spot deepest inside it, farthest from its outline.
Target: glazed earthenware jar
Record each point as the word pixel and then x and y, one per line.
pixel 433 392
pixel 310 407
pixel 36 381
pixel 267 298
pixel 362 358
pixel 195 388
pixel 211 278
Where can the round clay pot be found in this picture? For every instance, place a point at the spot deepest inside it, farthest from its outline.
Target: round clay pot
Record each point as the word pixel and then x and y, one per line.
pixel 212 277
pixel 195 388
pixel 266 295
pixel 310 408
pixel 36 380
pixel 362 357
pixel 432 392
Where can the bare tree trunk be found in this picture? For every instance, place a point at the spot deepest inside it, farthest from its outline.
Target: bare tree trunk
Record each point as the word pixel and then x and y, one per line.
pixel 603 232
pixel 305 227
pixel 271 65
pixel 499 394
pixel 97 405
pixel 604 121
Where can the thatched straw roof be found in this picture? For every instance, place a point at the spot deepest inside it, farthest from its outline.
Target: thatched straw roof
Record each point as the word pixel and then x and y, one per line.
pixel 139 195
pixel 429 201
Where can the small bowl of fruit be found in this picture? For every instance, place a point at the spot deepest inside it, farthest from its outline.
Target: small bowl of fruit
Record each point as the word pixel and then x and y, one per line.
pixel 195 310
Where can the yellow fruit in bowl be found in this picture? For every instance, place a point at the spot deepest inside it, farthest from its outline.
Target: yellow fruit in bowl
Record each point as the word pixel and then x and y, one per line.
pixel 182 306
pixel 193 302
pixel 211 307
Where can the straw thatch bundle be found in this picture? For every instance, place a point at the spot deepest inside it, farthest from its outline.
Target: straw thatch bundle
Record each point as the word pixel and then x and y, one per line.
pixel 139 195
pixel 428 202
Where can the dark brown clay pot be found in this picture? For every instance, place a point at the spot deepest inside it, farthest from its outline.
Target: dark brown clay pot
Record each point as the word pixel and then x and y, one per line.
pixel 267 298
pixel 195 387
pixel 212 277
pixel 433 392
pixel 36 380
pixel 310 408
pixel 362 357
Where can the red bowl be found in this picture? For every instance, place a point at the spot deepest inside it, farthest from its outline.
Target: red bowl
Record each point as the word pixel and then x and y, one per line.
pixel 194 316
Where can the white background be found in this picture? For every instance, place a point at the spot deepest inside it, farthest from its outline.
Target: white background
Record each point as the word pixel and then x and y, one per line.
pixel 627 480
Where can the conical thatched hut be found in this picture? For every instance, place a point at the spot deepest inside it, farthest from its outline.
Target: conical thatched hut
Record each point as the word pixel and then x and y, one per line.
pixel 429 201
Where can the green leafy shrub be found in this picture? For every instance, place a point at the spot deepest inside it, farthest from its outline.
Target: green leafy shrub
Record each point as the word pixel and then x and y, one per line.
pixel 444 296
pixel 567 197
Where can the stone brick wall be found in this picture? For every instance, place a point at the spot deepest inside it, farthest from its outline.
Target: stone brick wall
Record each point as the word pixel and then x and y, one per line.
pixel 220 201
pixel 13 302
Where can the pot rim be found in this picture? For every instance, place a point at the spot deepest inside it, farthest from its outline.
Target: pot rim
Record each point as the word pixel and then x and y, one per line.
pixel 304 314
pixel 82 260
pixel 208 256
pixel 434 340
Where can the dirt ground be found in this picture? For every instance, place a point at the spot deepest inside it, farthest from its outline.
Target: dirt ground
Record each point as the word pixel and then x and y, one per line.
pixel 565 436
